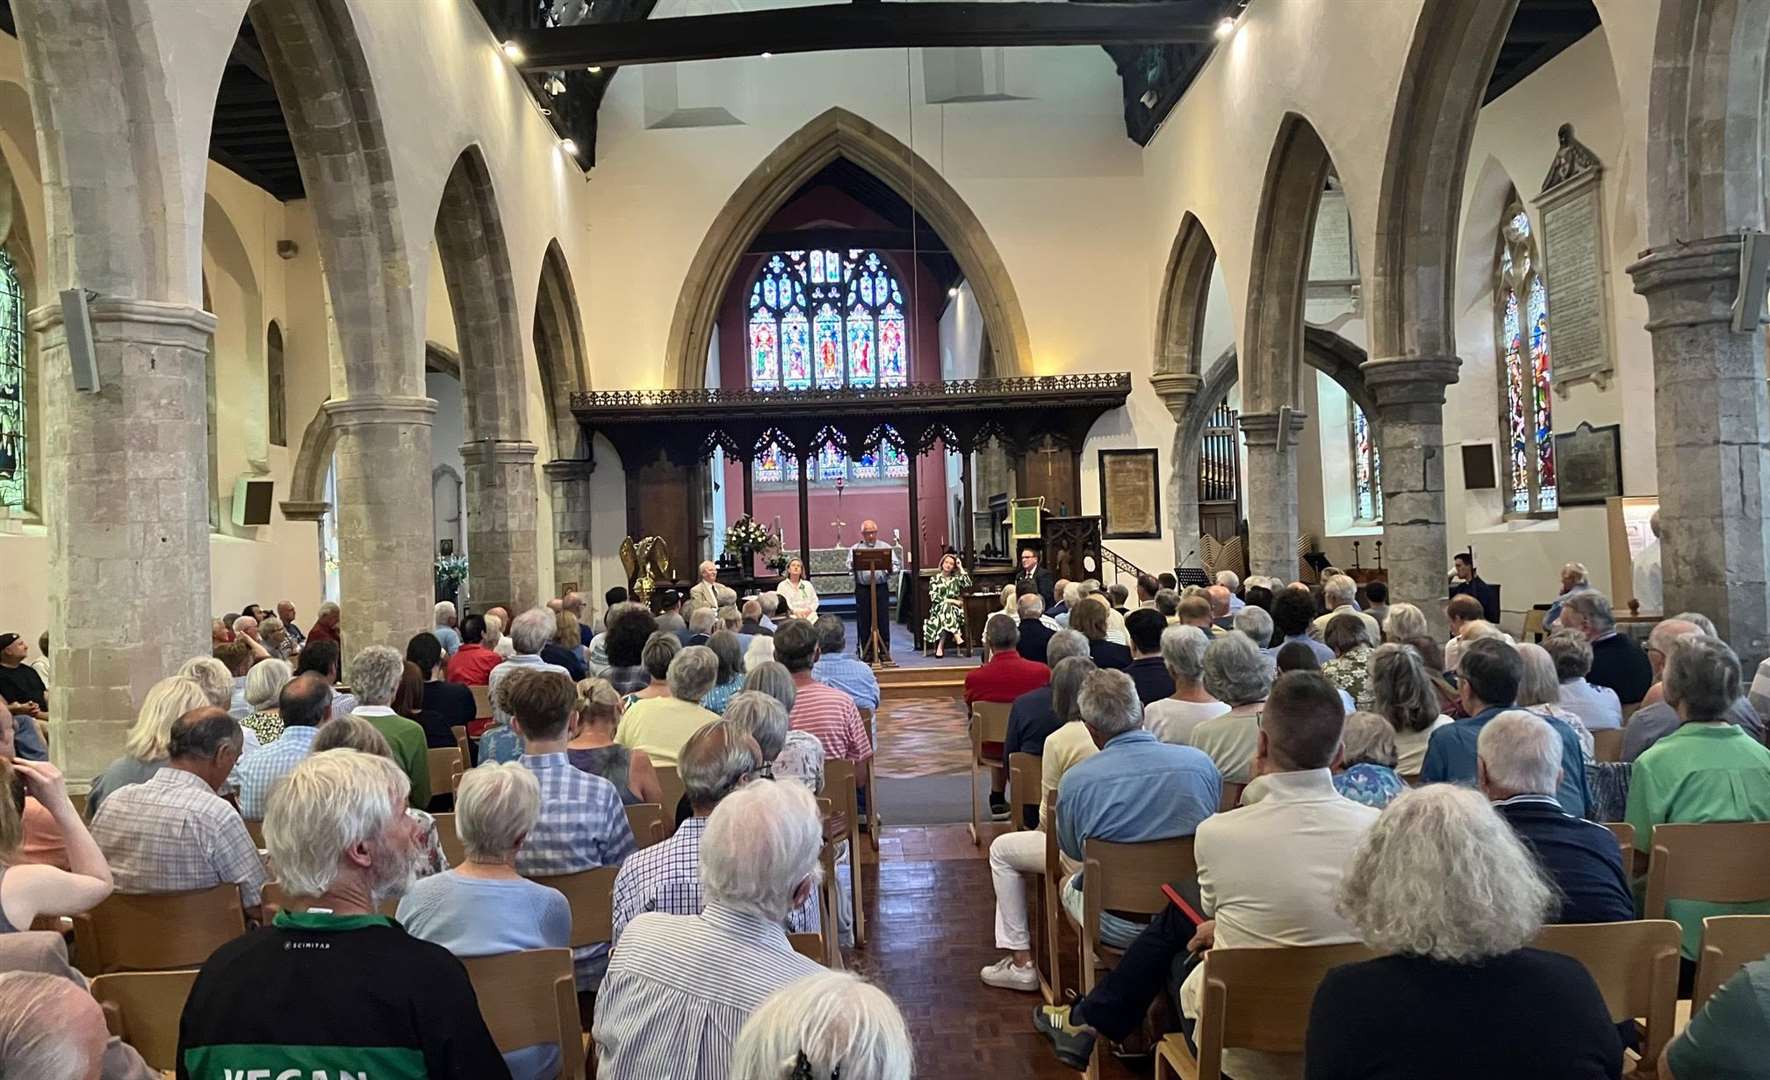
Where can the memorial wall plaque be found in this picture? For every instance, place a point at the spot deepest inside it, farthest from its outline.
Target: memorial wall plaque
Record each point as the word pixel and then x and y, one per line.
pixel 1130 495
pixel 1576 266
pixel 1588 462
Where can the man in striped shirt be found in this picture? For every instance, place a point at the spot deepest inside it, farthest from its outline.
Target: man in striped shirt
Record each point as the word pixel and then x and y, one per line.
pixel 824 711
pixel 680 986
pixel 582 824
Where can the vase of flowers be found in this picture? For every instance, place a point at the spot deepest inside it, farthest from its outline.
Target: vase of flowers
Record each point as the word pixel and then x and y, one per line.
pixel 450 571
pixel 744 538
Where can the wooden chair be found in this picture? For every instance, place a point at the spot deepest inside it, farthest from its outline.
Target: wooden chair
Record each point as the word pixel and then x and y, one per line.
pixel 460 733
pixel 1230 798
pixel 1050 919
pixel 1625 839
pixel 1729 942
pixel 1533 624
pixel 450 839
pixel 1607 744
pixel 671 783
pixel 530 997
pixel 839 783
pixel 829 903
pixel 871 820
pixel 1025 773
pixel 810 946
pixel 158 932
pixel 591 894
pixel 647 821
pixel 1252 999
pixel 989 724
pixel 446 766
pixel 482 703
pixel 1635 965
pixel 1721 862
pixel 143 1008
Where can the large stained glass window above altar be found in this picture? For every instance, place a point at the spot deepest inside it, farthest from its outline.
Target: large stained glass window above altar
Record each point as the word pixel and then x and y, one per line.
pixel 827 320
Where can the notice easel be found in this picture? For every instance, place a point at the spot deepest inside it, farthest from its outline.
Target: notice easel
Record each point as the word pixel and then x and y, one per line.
pixel 876 561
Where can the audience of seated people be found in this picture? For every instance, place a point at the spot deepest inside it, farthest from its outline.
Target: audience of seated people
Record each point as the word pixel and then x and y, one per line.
pixel 593 748
pixel 824 712
pixel 830 1024
pixel 1237 675
pixel 1033 716
pixel 144 747
pixel 1539 691
pixel 273 1002
pixel 374 677
pixel 1365 769
pixel 304 704
pixel 1093 619
pixel 730 679
pixel 30 889
pixel 1293 612
pixel 563 648
pixel 1339 595
pixel 1147 669
pixel 528 635
pixel 52 1029
pixel 444 618
pixel 1183 649
pixel 1655 719
pixel 1730 1035
pixel 1452 899
pixel 472 663
pixel 1036 628
pixel 356 733
pixel 630 626
pixel 681 986
pixel 1351 639
pixel 839 668
pixel 801 755
pixel 1596 706
pixel 1617 662
pixel 443 705
pixel 323 659
pixel 1403 694
pixel 654 658
pixel 264 684
pixel 1001 679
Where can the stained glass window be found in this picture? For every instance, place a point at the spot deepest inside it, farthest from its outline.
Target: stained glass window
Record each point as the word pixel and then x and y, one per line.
pixel 1367 467
pixel 1522 331
pixel 14 443
pixel 827 319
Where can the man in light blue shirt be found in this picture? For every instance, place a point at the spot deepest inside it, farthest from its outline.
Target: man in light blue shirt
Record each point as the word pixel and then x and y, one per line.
pixel 305 704
pixel 445 627
pixel 1491 671
pixel 836 668
pixel 1137 788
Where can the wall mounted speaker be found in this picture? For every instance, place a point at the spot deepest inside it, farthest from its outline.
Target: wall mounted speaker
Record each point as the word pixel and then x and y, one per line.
pixel 78 321
pixel 1478 470
pixel 252 500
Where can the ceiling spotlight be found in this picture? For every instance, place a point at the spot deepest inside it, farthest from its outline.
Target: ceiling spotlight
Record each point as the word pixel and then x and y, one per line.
pixel 596 71
pixel 513 51
pixel 954 291
pixel 570 146
pixel 1225 27
pixel 768 56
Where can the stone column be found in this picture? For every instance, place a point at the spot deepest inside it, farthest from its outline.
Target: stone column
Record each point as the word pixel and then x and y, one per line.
pixel 1271 495
pixel 1177 392
pixel 1712 425
pixel 569 483
pixel 384 518
pixel 1410 435
pixel 127 509
pixel 503 564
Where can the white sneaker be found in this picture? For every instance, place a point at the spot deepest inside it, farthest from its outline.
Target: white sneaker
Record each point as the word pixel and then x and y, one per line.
pixel 1008 975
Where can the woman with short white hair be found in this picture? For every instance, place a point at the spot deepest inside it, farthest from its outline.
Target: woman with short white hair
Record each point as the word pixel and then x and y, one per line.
pixel 789 754
pixel 264 687
pixel 1445 890
pixel 484 907
pixel 145 746
pixel 1183 654
pixel 1365 770
pixel 1539 691
pixel 1404 623
pixel 833 1024
pixel 662 725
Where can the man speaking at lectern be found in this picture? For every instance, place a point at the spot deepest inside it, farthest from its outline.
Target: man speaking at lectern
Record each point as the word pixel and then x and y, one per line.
pixel 865 583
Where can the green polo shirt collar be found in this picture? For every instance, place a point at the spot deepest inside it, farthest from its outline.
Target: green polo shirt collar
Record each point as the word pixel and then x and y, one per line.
pixel 327 921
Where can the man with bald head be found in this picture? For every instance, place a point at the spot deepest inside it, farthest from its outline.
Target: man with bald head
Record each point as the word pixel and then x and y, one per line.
pixel 1221 616
pixel 872 593
pixel 1656 719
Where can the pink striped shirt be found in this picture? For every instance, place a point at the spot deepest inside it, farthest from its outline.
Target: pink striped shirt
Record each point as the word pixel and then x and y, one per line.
pixel 830 715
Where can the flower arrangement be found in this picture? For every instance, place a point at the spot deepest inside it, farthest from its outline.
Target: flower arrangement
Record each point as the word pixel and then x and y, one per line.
pixel 451 571
pixel 745 537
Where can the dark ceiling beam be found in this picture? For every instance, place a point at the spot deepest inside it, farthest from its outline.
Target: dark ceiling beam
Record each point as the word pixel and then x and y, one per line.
pixel 248 55
pixel 935 24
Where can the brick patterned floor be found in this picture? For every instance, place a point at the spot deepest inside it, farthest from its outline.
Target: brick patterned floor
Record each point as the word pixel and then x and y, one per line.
pixel 922 737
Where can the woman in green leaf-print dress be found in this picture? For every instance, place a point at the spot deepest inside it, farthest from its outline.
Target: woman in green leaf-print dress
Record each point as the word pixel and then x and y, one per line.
pixel 946 612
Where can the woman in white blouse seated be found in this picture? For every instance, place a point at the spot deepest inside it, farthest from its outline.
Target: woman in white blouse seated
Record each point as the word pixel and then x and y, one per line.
pixel 798 592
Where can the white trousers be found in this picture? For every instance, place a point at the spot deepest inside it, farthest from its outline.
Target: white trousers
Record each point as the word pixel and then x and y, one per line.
pixel 1011 855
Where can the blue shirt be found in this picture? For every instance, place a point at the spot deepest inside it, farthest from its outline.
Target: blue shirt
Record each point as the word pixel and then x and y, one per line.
pixel 1373 785
pixel 1581 857
pixel 449 636
pixel 852 676
pixel 1138 788
pixel 1322 652
pixel 1450 756
pixel 260 772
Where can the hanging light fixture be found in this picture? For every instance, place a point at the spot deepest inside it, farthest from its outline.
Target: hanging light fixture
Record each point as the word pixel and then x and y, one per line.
pixel 1225 27
pixel 570 146
pixel 513 52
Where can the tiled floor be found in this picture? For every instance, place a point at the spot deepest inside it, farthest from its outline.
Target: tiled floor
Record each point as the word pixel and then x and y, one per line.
pixel 930 927
pixel 922 737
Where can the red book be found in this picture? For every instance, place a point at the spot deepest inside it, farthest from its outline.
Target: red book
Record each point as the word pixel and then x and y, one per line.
pixel 1185 909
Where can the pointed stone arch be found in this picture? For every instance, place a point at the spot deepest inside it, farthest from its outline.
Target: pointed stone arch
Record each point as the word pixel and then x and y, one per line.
pixel 1278 280
pixel 503 568
pixel 1186 292
pixel 559 352
pixel 840 133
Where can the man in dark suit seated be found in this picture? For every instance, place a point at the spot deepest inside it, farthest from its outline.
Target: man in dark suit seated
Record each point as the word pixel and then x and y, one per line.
pixel 1469 581
pixel 1617 662
pixel 1038 577
pixel 1518 767
pixel 1035 636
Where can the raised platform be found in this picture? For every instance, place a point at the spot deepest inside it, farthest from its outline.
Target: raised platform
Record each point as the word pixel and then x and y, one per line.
pixel 903 683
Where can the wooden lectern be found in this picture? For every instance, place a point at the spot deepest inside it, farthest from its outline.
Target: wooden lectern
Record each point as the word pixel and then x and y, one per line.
pixel 876 561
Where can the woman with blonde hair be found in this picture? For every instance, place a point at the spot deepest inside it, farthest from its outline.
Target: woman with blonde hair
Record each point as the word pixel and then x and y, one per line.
pixel 1539 691
pixel 946 608
pixel 566 646
pixel 593 748
pixel 1449 896
pixel 144 747
pixel 28 890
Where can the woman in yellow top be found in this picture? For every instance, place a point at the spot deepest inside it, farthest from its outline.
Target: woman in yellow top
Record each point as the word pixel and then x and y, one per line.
pixel 798 592
pixel 946 612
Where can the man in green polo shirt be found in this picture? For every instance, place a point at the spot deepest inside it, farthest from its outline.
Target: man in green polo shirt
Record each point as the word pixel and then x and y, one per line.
pixel 1708 770
pixel 335 989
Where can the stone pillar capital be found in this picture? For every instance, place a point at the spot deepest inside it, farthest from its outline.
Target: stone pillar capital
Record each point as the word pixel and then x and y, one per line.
pixel 1262 429
pixel 1176 389
pixel 304 511
pixel 498 452
pixel 568 469
pixel 1409 380
pixel 363 409
pixel 1690 283
pixel 122 318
